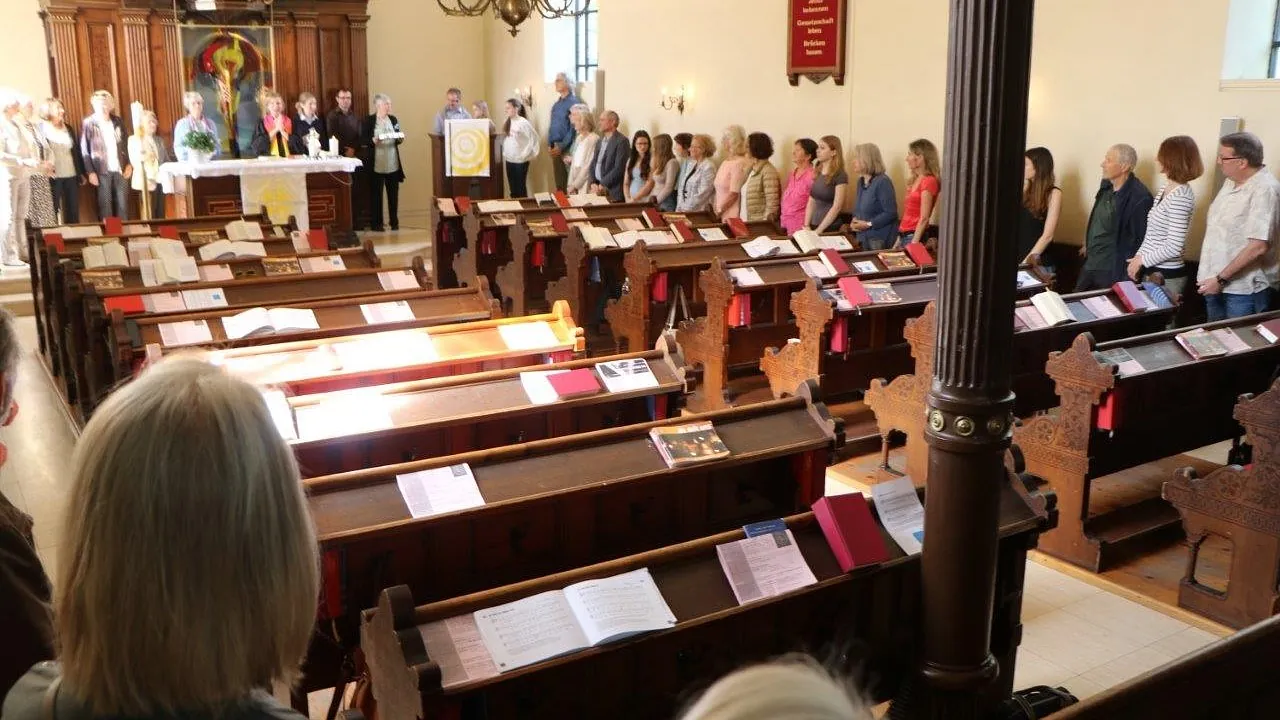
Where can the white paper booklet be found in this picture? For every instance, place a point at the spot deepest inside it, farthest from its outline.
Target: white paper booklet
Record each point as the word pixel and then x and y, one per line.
pixel 187 332
pixel 263 321
pixel 281 413
pixel 398 280
pixel 1052 308
pixel 834 242
pixel 862 267
pixel 1025 279
pixel 712 233
pixel 321 263
pixel 456 646
pixel 544 198
pixel 626 239
pixel 764 566
pixel 816 269
pixel 302 242
pixel 167 270
pixel 626 375
pixel 582 615
pixel 745 277
pixel 163 302
pixel 597 238
pixel 583 200
pixel 215 273
pixel 528 336
pixel 439 490
pixel 901 513
pixel 167 248
pixel 135 229
pixel 243 230
pixel 226 249
pixel 496 206
pixel 387 312
pixel 538 387
pixel 658 237
pixel 110 254
pixel 765 246
pixel 139 250
pixel 204 299
pixel 808 240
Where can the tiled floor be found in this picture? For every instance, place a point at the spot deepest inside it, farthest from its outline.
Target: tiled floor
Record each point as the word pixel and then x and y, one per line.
pixel 1076 633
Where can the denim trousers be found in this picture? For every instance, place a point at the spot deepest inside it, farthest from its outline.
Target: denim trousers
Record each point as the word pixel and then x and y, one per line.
pixel 1232 305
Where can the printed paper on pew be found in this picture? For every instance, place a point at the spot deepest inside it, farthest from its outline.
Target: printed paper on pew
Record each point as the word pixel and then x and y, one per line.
pixel 652 238
pixel 626 375
pixel 746 277
pixel 387 312
pixel 713 233
pixel 597 238
pixel 167 248
pixel 110 254
pixel 863 267
pixel 134 229
pixel 834 242
pixel 187 332
pixel 538 387
pixel 807 240
pixel 583 200
pixel 322 263
pixel 204 299
pixel 528 336
pixel 816 269
pixel 215 273
pixel 163 302
pixel 439 490
pixel 455 645
pixel 301 241
pixel 497 206
pixel 626 239
pixel 398 280
pixel 281 413
pixel 764 566
pixel 139 250
pixel 1026 279
pixel 901 513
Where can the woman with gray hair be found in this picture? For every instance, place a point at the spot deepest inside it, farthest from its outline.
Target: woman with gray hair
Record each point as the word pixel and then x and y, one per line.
pixel 18 161
pixel 794 686
pixel 199 604
pixel 584 149
pixel 380 138
pixel 194 121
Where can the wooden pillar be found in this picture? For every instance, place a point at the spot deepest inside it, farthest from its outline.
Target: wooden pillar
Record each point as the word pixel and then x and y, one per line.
pixel 359 64
pixel 308 42
pixel 66 63
pixel 137 52
pixel 170 84
pixel 969 406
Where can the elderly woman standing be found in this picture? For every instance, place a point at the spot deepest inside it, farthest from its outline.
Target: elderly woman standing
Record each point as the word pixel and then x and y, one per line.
pixel 194 121
pixel 17 162
pixel 698 189
pixel 381 137
pixel 584 149
pixel 68 165
pixel 732 172
pixel 146 154
pixel 40 210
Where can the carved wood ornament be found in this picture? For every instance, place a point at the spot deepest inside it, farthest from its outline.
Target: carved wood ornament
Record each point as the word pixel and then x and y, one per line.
pixel 900 404
pixel 628 315
pixel 789 366
pixel 705 339
pixel 569 287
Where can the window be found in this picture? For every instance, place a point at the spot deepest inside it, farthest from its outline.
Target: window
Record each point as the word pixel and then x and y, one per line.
pixel 1275 45
pixel 1252 45
pixel 570 43
pixel 586 55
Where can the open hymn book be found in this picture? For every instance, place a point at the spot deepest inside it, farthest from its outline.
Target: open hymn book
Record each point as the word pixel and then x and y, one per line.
pixel 581 616
pixel 264 321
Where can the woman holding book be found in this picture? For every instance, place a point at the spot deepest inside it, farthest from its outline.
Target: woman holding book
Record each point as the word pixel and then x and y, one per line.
pixel 146 154
pixel 584 149
pixel 638 184
pixel 1041 205
pixel 1170 216
pixel 760 199
pixel 923 187
pixel 875 211
pixel 795 198
pixel 664 170
pixel 830 183
pixel 700 186
pixel 380 136
pixel 519 147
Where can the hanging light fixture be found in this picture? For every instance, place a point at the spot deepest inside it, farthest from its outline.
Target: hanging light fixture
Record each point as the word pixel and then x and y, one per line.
pixel 514 12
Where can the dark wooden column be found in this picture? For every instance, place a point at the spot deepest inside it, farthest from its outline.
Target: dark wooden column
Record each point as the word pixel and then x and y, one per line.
pixel 969 406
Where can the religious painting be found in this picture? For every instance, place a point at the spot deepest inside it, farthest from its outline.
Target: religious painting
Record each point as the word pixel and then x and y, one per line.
pixel 466 147
pixel 229 67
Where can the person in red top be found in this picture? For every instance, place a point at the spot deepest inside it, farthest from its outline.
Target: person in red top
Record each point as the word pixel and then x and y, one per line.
pixel 922 193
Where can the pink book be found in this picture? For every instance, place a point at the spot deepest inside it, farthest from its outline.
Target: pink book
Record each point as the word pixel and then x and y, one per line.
pixel 1030 317
pixel 1101 306
pixel 1230 340
pixel 850 530
pixel 574 383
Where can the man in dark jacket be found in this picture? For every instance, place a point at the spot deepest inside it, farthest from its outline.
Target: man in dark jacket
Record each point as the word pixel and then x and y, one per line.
pixel 1117 223
pixel 103 145
pixel 610 161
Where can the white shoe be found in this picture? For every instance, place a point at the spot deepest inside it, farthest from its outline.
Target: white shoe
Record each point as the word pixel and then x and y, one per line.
pixel 15 265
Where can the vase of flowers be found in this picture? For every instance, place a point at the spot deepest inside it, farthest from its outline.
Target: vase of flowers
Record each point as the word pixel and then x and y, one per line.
pixel 200 144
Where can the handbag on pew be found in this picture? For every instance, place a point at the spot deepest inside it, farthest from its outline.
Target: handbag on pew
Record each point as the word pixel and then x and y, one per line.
pixel 1035 702
pixel 680 302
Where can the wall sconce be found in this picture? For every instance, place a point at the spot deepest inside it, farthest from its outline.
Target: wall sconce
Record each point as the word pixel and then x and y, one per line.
pixel 667 102
pixel 525 96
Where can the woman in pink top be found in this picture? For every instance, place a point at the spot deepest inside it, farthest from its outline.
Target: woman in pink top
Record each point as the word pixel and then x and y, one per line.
pixel 732 173
pixel 795 198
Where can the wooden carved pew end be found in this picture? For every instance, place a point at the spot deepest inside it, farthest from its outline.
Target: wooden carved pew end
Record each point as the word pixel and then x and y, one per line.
pixel 397 656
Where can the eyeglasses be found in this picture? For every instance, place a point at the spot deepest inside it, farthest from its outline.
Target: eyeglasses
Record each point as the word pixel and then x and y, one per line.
pixel 1228 159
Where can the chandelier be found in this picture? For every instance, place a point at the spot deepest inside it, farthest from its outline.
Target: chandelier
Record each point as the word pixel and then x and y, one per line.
pixel 514 12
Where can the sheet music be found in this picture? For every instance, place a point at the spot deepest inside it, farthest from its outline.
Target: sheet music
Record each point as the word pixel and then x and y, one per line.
pixel 626 375
pixel 901 513
pixel 439 490
pixel 187 332
pixel 528 336
pixel 456 646
pixel 538 388
pixel 387 312
pixel 618 606
pixel 764 566
pixel 530 630
pixel 204 299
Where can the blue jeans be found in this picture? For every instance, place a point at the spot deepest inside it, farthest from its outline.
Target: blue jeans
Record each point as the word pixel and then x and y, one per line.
pixel 873 243
pixel 1231 305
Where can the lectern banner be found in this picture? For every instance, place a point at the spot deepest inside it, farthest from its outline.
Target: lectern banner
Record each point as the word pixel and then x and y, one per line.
pixel 466 148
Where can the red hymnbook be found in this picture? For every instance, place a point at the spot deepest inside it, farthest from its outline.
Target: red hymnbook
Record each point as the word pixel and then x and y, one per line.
pixel 127 304
pixel 575 383
pixel 1130 297
pixel 653 218
pixel 318 239
pixel 685 232
pixel 834 262
pixel 54 241
pixel 463 203
pixel 561 199
pixel 169 232
pixel 559 223
pixel 853 291
pixel 738 228
pixel 919 253
pixel 113 226
pixel 850 530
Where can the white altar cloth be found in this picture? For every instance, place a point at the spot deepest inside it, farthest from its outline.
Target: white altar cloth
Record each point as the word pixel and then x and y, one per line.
pixel 279 184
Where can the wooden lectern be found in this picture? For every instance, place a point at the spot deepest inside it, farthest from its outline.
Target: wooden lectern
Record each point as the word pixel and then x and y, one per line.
pixel 477 188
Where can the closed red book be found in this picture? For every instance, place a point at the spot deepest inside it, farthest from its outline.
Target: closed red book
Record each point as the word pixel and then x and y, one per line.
pixel 685 232
pixel 463 203
pixel 561 199
pixel 919 253
pixel 559 223
pixel 853 291
pixel 850 530
pixel 127 304
pixel 834 261
pixel 318 239
pixel 54 241
pixel 113 225
pixel 575 383
pixel 653 218
pixel 738 228
pixel 1129 296
pixel 169 232
pixel 1106 415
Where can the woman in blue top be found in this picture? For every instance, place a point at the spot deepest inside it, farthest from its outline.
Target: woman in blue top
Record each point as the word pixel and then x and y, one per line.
pixel 638 185
pixel 875 213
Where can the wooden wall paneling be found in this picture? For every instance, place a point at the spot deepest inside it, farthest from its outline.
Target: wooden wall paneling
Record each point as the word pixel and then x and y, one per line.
pixel 98 61
pixel 286 60
pixel 137 53
pixel 63 46
pixel 335 57
pixel 308 54
pixel 166 68
pixel 359 25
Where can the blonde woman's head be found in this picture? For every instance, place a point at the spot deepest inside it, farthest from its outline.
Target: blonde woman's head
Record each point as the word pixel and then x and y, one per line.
pixel 702 147
pixel 190 573
pixel 193 102
pixel 306 105
pixel 867 159
pixel 272 102
pixel 795 688
pixel 923 158
pixel 733 143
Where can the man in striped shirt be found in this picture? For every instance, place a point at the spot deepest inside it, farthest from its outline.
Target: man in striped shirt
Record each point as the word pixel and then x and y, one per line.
pixel 1238 266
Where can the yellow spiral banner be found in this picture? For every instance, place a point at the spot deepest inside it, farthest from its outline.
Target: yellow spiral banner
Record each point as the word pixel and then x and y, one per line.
pixel 467 147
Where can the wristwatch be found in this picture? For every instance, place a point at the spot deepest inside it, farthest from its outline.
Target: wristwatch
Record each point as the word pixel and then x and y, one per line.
pixel 1222 282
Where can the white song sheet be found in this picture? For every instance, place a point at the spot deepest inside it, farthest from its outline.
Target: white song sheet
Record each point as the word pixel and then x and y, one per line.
pixel 530 630
pixel 764 566
pixel 900 512
pixel 616 607
pixel 439 490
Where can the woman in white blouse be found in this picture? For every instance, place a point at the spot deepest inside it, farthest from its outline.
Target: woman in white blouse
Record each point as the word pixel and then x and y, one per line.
pixel 18 160
pixel 584 149
pixel 699 188
pixel 146 154
pixel 518 148
pixel 68 165
pixel 664 172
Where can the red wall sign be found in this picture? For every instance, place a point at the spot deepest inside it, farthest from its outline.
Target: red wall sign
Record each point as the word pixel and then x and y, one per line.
pixel 815 40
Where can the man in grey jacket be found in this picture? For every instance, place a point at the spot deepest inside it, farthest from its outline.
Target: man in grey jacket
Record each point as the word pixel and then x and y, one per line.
pixel 610 161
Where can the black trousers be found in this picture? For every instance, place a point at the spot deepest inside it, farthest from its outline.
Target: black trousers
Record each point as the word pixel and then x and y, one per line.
pixel 66 198
pixel 517 177
pixel 377 181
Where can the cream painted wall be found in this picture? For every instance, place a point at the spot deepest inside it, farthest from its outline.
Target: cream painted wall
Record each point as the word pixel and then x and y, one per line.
pixel 415 54
pixel 24 63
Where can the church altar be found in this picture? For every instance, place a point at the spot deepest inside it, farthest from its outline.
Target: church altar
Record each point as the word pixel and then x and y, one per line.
pixel 316 192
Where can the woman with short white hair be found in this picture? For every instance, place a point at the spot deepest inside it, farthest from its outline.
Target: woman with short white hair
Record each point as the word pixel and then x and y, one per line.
pixel 194 121
pixel 380 137
pixel 189 576
pixel 793 687
pixel 18 161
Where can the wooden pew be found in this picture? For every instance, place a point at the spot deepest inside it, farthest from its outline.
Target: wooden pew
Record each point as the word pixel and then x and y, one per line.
pixel 559 503
pixel 1231 679
pixel 448 237
pixel 1104 453
pixel 655 273
pixel 379 358
pixel 866 621
pixel 899 405
pixel 1241 505
pixel 452 415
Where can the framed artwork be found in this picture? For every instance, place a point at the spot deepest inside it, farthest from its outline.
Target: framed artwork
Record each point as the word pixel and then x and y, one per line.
pixel 229 66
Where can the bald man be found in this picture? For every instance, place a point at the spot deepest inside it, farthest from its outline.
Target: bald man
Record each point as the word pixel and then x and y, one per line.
pixel 1117 222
